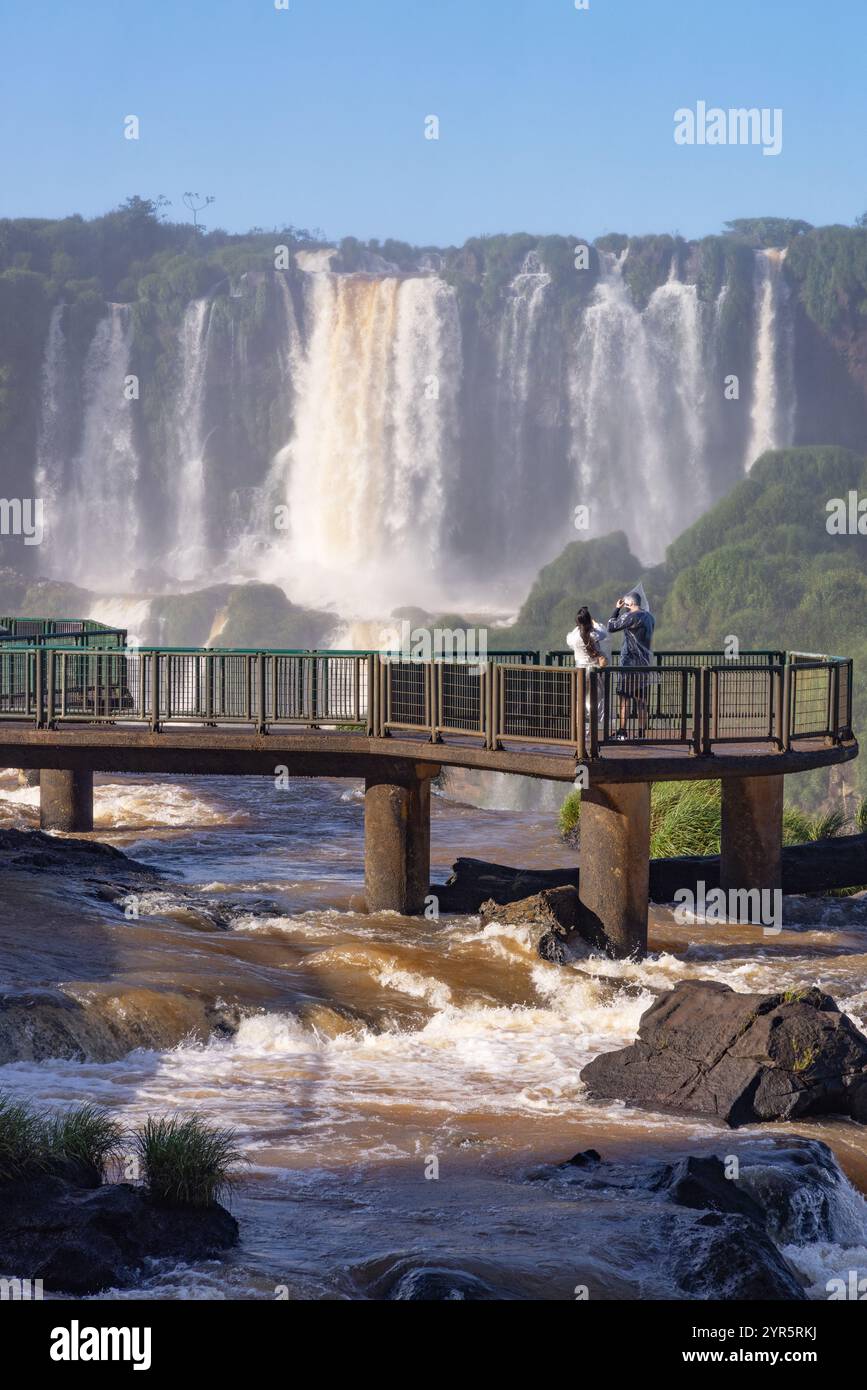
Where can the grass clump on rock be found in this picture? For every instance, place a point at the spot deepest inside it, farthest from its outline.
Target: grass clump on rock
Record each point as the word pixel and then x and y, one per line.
pixel 186 1162
pixel 86 1135
pixel 23 1150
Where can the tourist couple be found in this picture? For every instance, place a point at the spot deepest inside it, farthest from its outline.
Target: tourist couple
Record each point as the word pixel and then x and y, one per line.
pixel 591 643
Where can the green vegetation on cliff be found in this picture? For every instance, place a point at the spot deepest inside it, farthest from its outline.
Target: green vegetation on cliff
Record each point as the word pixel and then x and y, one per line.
pixel 761 566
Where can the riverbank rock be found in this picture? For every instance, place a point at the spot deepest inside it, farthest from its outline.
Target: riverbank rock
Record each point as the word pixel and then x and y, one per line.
pixel 703 1049
pixel 81 1239
pixel 557 920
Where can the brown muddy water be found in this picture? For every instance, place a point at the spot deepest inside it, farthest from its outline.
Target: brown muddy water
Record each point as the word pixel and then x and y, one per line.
pixel 358 1056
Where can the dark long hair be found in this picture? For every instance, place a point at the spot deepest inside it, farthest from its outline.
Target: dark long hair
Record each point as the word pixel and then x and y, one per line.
pixel 585 625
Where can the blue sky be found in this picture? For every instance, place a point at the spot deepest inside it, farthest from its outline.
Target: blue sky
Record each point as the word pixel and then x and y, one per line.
pixel 551 119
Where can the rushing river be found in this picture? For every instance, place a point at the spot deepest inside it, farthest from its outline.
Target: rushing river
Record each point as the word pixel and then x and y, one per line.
pixel 398 1085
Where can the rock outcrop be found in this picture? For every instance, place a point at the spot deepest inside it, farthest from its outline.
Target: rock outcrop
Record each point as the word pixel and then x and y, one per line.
pixel 558 922
pixel 703 1049
pixel 80 1239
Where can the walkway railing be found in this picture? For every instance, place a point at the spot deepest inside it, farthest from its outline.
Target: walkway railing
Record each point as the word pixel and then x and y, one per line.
pixel 680 701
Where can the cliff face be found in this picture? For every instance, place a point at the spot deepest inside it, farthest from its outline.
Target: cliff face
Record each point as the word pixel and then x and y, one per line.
pixel 375 427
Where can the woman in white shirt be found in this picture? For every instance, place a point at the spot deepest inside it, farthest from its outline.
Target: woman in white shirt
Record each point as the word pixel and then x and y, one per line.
pixel 591 643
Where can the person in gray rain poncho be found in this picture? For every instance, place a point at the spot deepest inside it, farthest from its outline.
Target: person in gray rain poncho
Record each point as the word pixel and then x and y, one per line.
pixel 632 617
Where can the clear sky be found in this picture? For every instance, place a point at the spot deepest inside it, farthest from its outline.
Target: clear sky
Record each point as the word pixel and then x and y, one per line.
pixel 552 119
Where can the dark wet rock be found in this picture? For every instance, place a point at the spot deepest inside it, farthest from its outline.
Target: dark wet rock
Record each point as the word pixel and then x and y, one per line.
pixel 703 1049
pixel 102 1022
pixel 588 1158
pixel 33 849
pixel 701 1183
pixel 557 919
pixel 80 1240
pixel 474 881
pixel 798 1188
pixel 730 1257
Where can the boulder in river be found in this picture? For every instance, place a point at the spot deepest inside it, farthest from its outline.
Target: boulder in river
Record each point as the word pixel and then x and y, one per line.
pixel 80 1239
pixel 704 1049
pixel 557 918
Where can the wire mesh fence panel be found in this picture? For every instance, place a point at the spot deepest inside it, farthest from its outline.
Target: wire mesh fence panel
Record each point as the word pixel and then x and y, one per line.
pixel 810 691
pixel 17 687
pixel 407 694
pixel 536 704
pixel 461 697
pixel 288 688
pixel 647 704
pixel 340 689
pixel 742 703
pixel 90 685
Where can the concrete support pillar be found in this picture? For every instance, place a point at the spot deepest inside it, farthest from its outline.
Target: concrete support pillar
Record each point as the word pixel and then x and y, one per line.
pixel 396 843
pixel 752 833
pixel 615 863
pixel 65 800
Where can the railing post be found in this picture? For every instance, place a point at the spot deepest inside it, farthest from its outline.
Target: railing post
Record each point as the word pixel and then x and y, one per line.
pixel 579 706
pixel 50 675
pixel 697 702
pixel 384 698
pixel 705 710
pixel 261 723
pixel 155 692
pixel 595 677
pixel 833 701
pixel 373 694
pixel 788 694
pixel 38 674
pixel 433 681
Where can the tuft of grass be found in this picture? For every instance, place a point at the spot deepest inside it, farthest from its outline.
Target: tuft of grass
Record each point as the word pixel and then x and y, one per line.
pixel 684 819
pixel 861 817
pixel 85 1135
pixel 22 1140
pixel 799 827
pixel 570 815
pixel 803 1060
pixel 186 1162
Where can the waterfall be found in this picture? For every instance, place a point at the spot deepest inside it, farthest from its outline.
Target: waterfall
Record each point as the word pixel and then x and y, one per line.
pixel 366 473
pixel 55 398
pixel 517 345
pixel 637 393
pixel 97 540
pixel 772 412
pixel 377 439
pixel 187 482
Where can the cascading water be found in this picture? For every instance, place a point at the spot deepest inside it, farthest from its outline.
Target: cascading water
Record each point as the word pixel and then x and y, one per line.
pixel 48 477
pixel 772 414
pixel 187 478
pixel 412 453
pixel 637 391
pixel 517 345
pixel 367 472
pixel 94 498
